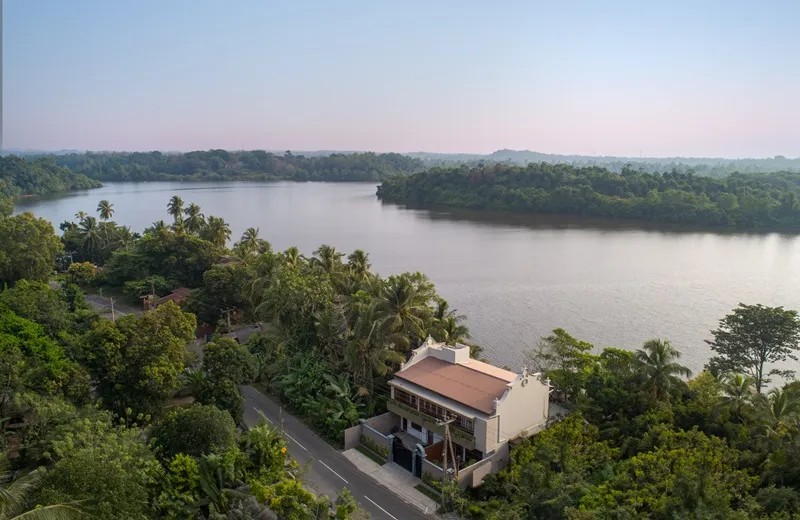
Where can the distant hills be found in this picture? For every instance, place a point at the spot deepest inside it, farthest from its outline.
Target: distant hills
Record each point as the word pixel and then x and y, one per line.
pixel 710 166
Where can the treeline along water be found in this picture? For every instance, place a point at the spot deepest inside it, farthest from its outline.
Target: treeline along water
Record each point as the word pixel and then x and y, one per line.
pixel 515 277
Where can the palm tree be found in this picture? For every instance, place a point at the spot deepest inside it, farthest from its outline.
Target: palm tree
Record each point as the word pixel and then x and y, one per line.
pixel 91 240
pixel 403 310
pixel 369 352
pixel 293 257
pixel 738 393
pixel 331 326
pixel 358 261
pixel 158 226
pixel 217 231
pixel 252 243
pixel 659 369
pixel 175 207
pixel 327 259
pixel 195 221
pixel 779 410
pixel 193 380
pixel 105 209
pixel 447 324
pixel 13 496
pixel 81 215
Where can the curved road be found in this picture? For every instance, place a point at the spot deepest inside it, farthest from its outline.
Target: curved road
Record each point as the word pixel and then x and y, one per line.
pixel 330 471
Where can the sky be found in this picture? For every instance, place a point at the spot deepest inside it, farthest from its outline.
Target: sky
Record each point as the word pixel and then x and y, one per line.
pixel 710 78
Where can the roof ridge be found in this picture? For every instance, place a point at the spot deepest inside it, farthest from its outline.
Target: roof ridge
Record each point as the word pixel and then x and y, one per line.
pixel 465 365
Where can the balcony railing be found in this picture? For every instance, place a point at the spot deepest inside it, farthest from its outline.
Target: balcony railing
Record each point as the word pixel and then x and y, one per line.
pixel 459 435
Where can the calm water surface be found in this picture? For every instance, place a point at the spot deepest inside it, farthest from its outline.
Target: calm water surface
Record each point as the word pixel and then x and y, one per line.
pixel 516 278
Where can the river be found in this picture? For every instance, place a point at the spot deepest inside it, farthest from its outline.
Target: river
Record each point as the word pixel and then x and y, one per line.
pixel 515 277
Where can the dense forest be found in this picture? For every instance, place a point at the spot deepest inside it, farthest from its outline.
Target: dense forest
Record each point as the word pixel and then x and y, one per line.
pixel 708 166
pixel 117 419
pixel 28 176
pixel 743 201
pixel 221 164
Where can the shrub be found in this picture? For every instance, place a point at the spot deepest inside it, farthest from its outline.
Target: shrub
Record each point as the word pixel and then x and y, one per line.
pixel 81 273
pixel 383 451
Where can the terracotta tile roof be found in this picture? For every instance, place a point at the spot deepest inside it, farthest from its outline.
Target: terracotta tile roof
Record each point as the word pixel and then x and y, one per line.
pixel 178 294
pixel 486 368
pixel 461 383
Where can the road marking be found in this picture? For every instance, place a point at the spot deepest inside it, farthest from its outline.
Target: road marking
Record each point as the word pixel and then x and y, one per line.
pixel 330 468
pixel 263 414
pixel 292 438
pixel 379 507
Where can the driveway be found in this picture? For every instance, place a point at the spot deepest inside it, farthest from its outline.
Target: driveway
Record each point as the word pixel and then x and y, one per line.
pixel 330 471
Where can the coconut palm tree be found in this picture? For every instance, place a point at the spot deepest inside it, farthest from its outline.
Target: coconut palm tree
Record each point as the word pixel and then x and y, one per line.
pixel 447 325
pixel 738 393
pixel 402 309
pixel 156 227
pixel 779 410
pixel 217 231
pixel 659 369
pixel 13 495
pixel 330 325
pixel 195 221
pixel 105 209
pixel 358 261
pixel 251 242
pixel 327 259
pixel 91 236
pixel 175 207
pixel 293 258
pixel 369 352
pixel 81 215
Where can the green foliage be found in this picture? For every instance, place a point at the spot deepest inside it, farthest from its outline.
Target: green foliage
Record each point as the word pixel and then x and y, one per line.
pixel 564 360
pixel 737 201
pixel 174 256
pixel 81 273
pixel 134 289
pixel 222 164
pixel 196 430
pixel 137 361
pixel 109 474
pixel 686 473
pixel 6 206
pixel 20 176
pixel 753 337
pixel 28 248
pixel 383 451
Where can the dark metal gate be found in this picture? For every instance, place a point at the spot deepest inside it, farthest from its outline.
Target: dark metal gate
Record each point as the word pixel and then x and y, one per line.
pixel 402 455
pixel 417 464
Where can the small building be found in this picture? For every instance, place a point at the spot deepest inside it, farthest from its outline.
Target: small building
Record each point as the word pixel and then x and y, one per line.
pixel 179 296
pixel 486 406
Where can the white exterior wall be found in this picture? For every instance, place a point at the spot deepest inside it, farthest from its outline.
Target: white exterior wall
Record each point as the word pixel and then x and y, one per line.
pixel 524 409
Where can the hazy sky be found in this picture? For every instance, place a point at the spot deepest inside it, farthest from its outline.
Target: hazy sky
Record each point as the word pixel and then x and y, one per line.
pixel 688 78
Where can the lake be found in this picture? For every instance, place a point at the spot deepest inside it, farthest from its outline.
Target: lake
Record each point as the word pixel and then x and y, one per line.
pixel 515 277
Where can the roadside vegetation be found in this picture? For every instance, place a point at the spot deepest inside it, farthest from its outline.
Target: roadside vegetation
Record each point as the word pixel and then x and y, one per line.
pixel 737 201
pixel 119 419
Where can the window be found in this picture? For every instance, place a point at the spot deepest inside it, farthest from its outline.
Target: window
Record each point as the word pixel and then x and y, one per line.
pixel 432 410
pixel 416 426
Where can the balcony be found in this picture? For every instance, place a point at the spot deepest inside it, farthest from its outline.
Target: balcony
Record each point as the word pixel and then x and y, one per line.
pixel 459 436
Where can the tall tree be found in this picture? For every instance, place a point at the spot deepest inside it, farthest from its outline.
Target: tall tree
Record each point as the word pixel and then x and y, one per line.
pixel 659 369
pixel 195 221
pixel 753 336
pixel 217 231
pixel 28 248
pixel 563 359
pixel 14 494
pixel 105 209
pixel 175 208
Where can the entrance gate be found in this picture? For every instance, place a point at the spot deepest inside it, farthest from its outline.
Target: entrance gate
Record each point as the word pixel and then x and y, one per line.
pixel 402 455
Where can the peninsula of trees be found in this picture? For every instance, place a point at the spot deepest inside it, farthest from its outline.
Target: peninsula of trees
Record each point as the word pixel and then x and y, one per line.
pixel 26 176
pixel 739 201
pixel 225 165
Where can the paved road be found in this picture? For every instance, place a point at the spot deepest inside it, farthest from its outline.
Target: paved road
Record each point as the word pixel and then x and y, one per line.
pixel 102 304
pixel 330 471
